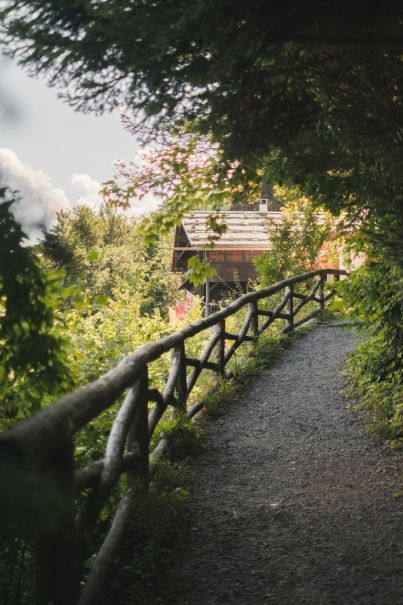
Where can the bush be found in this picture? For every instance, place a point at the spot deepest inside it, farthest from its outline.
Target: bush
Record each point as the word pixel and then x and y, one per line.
pixel 373 294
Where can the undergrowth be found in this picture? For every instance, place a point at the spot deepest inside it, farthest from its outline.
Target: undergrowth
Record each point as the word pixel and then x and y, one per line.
pixel 380 397
pixel 148 545
pixel 373 299
pixel 185 438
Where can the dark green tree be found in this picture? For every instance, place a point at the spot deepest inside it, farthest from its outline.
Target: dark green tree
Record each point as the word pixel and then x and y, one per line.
pixel 32 361
pixel 308 92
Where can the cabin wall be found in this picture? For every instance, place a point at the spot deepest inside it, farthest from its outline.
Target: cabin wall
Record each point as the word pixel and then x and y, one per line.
pixel 226 262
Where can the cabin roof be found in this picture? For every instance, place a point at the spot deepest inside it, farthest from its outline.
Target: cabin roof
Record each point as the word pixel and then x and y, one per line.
pixel 246 229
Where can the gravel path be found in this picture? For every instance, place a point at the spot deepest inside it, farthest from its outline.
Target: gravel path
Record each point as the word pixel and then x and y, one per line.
pixel 292 503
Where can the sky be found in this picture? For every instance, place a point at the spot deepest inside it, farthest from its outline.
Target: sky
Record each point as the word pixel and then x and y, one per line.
pixel 55 156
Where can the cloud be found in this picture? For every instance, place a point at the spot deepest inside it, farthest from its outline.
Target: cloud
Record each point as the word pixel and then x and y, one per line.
pixel 148 204
pixel 40 200
pixel 86 189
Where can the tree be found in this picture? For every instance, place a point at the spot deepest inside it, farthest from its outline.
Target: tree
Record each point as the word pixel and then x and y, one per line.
pixel 295 242
pixel 103 253
pixel 307 93
pixel 33 363
pixel 374 296
pixel 185 171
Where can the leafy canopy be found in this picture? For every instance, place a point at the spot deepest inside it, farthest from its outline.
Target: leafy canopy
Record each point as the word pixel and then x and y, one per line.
pixel 309 92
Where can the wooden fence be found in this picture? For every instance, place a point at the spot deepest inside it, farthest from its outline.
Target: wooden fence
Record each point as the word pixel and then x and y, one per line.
pixel 41 450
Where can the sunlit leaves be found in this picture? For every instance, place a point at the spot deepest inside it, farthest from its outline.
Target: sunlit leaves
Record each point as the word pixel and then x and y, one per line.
pixel 199 270
pixel 295 241
pixel 93 256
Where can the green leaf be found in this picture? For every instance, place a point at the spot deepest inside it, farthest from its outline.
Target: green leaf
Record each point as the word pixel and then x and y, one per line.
pixel 93 256
pixel 199 270
pixel 101 300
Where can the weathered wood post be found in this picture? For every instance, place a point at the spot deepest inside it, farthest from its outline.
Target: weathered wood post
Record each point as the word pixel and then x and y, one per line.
pixel 221 348
pixel 207 297
pixel 254 322
pixel 321 295
pixel 57 573
pixel 138 435
pixel 290 308
pixel 181 386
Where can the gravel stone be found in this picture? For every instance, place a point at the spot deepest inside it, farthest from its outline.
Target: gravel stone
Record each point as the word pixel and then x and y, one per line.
pixel 292 503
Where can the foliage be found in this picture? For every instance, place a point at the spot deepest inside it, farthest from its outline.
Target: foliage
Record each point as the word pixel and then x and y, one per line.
pixel 185 171
pixel 199 270
pixel 104 251
pixel 296 239
pixel 34 370
pixel 309 96
pixel 33 364
pixel 373 294
pixel 185 438
pixel 126 289
pixel 106 335
pixel 100 340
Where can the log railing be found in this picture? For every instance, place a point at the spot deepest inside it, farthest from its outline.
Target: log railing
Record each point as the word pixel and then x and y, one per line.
pixel 42 448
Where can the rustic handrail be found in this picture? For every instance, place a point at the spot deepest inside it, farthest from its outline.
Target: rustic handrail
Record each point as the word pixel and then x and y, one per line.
pixel 44 445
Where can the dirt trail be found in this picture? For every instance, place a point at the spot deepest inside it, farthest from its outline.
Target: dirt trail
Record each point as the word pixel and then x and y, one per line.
pixel 292 503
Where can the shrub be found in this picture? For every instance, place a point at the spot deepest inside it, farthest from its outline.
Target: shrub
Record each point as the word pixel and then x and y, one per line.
pixel 373 294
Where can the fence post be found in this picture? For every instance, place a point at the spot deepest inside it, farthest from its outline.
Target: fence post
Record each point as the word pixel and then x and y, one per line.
pixel 181 386
pixel 254 323
pixel 321 295
pixel 221 348
pixel 139 431
pixel 290 308
pixel 57 573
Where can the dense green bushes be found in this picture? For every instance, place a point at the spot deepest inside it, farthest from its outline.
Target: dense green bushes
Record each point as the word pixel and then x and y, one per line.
pixel 33 362
pixel 373 295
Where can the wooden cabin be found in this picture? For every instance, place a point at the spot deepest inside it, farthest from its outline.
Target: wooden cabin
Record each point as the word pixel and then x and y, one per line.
pixel 245 237
pixel 231 253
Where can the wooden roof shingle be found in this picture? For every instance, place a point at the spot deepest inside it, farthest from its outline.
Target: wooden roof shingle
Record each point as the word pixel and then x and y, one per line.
pixel 246 229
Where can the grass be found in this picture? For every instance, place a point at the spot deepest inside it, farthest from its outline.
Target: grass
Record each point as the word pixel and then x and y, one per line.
pixel 381 402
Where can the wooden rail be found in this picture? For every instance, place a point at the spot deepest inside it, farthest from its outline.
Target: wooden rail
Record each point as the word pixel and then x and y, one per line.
pixel 43 446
